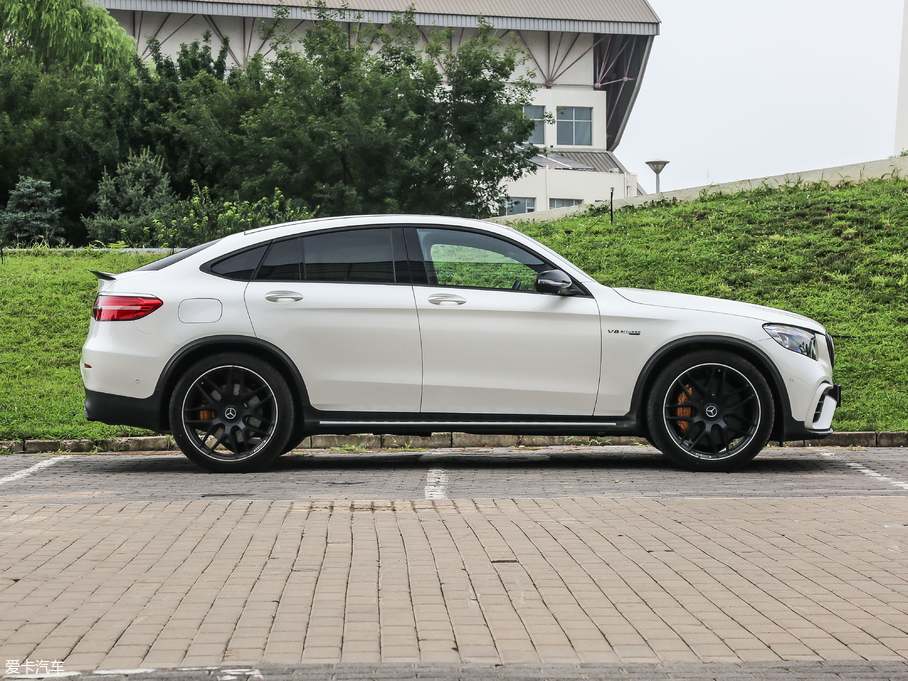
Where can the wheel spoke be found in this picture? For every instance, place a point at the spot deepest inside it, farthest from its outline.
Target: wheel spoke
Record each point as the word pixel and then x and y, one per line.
pixel 701 431
pixel 217 442
pixel 713 440
pixel 743 401
pixel 252 392
pixel 256 429
pixel 207 394
pixel 724 433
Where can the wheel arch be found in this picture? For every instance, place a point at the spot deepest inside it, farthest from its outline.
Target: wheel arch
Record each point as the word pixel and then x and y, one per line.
pixel 192 352
pixel 683 346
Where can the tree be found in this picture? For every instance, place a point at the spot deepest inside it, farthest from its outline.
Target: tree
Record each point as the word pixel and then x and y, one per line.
pixel 53 126
pixel 355 129
pixel 32 215
pixel 71 33
pixel 130 201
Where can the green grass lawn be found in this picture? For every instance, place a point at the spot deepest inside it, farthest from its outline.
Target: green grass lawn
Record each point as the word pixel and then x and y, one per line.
pixel 45 304
pixel 839 255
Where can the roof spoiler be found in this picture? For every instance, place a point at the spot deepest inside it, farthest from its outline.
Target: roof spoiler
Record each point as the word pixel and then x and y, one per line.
pixel 107 276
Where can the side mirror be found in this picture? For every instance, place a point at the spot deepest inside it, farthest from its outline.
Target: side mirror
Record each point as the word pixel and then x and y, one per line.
pixel 553 281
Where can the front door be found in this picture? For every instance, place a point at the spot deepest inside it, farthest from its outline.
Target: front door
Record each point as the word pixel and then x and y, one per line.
pixel 491 344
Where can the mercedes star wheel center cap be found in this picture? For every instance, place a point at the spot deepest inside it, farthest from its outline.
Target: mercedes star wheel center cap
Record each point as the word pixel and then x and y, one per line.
pixel 712 411
pixel 230 413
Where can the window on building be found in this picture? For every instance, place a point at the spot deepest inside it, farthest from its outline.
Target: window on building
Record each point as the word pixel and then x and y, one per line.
pixel 537 115
pixel 575 125
pixel 563 203
pixel 521 204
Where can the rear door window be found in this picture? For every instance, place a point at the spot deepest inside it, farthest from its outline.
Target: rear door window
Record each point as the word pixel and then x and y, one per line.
pixel 355 255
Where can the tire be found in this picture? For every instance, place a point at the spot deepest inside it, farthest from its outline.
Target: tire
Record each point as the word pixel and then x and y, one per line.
pixel 710 411
pixel 297 435
pixel 231 413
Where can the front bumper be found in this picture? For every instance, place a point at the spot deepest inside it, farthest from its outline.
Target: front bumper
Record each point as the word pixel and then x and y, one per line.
pixel 828 399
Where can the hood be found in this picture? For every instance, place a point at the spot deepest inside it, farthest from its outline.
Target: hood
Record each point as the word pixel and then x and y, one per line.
pixel 683 301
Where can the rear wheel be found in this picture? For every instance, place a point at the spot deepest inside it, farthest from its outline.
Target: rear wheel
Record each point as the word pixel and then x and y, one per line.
pixel 710 411
pixel 231 413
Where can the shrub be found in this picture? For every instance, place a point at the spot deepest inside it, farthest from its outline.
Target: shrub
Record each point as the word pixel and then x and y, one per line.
pixel 32 215
pixel 201 218
pixel 130 201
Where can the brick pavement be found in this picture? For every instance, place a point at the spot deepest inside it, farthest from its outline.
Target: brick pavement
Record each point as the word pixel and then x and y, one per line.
pixel 562 581
pixel 616 472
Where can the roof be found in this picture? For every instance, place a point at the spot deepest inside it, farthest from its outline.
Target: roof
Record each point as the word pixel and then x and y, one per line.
pixel 595 161
pixel 634 17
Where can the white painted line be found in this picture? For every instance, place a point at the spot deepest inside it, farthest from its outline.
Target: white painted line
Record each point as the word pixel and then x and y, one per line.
pixel 34 469
pixel 123 672
pixel 870 473
pixel 436 484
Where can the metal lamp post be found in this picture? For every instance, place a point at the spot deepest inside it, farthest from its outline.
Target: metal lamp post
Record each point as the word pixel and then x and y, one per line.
pixel 657 167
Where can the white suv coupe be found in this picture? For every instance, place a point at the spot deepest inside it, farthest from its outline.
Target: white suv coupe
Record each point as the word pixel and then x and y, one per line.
pixel 391 324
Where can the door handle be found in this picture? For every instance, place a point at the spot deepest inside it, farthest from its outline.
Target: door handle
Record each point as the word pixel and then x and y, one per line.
pixel 446 299
pixel 278 296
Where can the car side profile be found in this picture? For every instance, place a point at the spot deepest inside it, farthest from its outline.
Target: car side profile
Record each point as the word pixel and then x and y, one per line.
pixel 395 324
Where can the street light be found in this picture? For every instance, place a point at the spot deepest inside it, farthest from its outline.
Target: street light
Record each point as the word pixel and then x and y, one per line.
pixel 657 167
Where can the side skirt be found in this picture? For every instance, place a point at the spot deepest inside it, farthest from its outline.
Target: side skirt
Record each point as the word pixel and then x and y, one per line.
pixel 318 423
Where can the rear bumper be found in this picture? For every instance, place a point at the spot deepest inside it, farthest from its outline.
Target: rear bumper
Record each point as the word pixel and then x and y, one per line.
pixel 117 410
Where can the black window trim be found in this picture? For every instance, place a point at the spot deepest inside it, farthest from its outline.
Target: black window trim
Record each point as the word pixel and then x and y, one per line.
pixel 415 273
pixel 398 248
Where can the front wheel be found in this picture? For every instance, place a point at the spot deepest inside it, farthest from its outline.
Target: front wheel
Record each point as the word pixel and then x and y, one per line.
pixel 710 411
pixel 231 413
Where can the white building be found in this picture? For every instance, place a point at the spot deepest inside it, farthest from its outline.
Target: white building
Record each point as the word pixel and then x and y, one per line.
pixel 901 112
pixel 588 57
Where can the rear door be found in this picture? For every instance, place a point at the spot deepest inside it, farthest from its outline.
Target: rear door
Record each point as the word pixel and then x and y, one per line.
pixel 339 303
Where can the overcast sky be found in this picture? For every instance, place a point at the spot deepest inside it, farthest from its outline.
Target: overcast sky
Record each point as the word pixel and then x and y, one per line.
pixel 738 89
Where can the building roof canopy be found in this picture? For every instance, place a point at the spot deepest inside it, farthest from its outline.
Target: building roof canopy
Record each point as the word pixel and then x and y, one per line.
pixel 593 16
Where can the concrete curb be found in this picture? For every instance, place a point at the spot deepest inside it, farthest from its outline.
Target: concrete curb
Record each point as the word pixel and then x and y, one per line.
pixel 163 443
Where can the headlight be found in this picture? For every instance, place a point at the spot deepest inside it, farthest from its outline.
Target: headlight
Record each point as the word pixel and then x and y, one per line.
pixel 792 338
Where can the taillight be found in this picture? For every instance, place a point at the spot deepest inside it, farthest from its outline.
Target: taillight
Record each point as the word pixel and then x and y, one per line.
pixel 123 308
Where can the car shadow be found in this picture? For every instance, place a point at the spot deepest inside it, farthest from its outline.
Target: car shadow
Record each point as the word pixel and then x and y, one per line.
pixel 645 460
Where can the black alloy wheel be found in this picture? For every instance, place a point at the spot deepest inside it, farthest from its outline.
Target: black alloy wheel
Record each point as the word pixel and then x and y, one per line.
pixel 710 411
pixel 232 413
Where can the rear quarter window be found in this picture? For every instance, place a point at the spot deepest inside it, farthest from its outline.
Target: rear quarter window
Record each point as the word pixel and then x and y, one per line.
pixel 174 258
pixel 240 266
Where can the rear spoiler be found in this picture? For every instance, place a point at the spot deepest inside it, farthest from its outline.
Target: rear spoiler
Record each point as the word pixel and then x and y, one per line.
pixel 106 276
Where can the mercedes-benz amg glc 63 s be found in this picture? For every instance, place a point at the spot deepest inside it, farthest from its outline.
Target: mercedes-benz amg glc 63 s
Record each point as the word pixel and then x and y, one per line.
pixel 243 346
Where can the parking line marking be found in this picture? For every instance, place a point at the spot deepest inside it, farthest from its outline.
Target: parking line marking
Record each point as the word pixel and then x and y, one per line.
pixel 34 469
pixel 436 484
pixel 870 473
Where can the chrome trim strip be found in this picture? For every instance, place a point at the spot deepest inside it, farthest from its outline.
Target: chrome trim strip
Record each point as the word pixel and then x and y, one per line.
pixel 469 423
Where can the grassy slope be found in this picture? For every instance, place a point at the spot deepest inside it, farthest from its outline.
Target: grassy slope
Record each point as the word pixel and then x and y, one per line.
pixel 838 255
pixel 45 304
